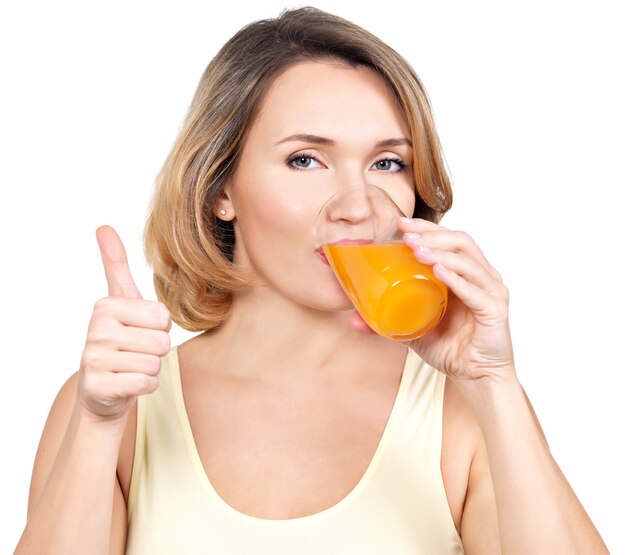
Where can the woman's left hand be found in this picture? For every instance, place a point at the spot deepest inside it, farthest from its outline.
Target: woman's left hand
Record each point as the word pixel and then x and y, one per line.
pixel 473 340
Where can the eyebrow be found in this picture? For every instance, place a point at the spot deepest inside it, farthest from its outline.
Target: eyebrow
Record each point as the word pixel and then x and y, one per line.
pixel 316 139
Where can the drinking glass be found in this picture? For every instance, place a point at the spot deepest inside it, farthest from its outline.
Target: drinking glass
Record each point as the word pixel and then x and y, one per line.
pixel 398 297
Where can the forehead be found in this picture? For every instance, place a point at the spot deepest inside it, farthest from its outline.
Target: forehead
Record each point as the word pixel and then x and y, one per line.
pixel 330 99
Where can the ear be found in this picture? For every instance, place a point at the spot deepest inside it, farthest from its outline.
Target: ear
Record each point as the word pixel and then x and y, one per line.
pixel 224 209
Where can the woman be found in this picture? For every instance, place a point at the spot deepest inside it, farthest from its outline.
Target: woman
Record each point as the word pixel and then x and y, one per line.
pixel 287 425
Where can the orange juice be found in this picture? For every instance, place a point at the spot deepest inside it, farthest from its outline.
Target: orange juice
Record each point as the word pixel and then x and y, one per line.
pixel 398 296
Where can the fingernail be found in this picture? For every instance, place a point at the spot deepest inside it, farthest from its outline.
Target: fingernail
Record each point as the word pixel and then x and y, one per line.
pixel 412 239
pixel 406 220
pixel 425 249
pixel 440 270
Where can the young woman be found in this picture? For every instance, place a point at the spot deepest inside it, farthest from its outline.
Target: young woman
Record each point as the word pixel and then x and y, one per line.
pixel 287 426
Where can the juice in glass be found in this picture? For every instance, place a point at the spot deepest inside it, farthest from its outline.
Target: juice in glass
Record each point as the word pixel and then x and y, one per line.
pixel 398 296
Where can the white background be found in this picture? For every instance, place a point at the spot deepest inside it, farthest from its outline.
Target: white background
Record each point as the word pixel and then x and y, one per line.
pixel 529 101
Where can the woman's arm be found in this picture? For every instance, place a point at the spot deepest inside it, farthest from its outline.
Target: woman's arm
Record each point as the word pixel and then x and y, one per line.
pixel 75 503
pixel 537 511
pixel 515 476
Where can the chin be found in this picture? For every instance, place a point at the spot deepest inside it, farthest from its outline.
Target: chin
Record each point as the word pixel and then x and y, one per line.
pixel 333 299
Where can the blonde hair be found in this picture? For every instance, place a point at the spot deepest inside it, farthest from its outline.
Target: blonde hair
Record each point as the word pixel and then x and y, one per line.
pixel 190 250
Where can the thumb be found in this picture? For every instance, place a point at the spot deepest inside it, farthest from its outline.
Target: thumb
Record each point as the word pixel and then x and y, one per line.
pixel 116 268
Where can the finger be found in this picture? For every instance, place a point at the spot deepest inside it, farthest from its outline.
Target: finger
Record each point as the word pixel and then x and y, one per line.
pixel 463 265
pixel 485 308
pixel 138 313
pixel 471 296
pixel 417 225
pixel 454 241
pixel 119 278
pixel 136 362
pixel 102 360
pixel 113 387
pixel 139 340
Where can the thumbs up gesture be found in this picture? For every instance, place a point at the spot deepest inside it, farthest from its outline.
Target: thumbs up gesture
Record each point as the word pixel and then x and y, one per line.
pixel 127 336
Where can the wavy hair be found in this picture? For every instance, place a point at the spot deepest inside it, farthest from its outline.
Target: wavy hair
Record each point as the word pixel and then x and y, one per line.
pixel 190 250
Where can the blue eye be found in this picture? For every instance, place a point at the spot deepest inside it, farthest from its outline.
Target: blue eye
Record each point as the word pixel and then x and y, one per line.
pixel 302 161
pixel 390 165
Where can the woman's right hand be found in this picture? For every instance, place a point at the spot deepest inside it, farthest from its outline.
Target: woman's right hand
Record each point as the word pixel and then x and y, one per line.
pixel 127 336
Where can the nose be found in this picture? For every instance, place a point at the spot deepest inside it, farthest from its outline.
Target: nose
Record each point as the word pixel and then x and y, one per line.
pixel 351 205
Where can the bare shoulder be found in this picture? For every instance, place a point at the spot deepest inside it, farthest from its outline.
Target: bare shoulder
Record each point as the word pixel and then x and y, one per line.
pixel 461 439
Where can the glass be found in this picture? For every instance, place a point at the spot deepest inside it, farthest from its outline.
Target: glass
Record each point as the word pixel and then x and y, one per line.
pixel 398 296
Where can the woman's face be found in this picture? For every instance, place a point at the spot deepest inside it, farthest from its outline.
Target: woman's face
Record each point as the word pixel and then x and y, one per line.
pixel 319 129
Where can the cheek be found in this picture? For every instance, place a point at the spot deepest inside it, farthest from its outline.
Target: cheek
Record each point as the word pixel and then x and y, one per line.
pixel 408 207
pixel 277 239
pixel 273 228
pixel 274 215
pixel 404 197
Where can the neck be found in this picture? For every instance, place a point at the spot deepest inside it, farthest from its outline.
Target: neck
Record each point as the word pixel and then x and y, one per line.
pixel 269 337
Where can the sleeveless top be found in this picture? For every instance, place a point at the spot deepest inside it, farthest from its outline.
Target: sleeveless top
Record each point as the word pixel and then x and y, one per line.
pixel 399 506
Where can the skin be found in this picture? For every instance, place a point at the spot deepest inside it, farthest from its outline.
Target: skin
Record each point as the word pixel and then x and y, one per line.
pixel 504 490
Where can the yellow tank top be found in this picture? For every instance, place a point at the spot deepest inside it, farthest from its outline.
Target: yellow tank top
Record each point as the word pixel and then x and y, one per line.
pixel 398 507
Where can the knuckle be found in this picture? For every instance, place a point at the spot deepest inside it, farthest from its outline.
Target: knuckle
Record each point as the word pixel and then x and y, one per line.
pixel 465 238
pixel 90 386
pixel 102 334
pixel 161 315
pixel 141 380
pixel 163 342
pixel 92 359
pixel 103 306
pixel 145 383
pixel 153 365
pixel 168 342
pixel 505 293
pixel 98 334
pixel 151 385
pixel 94 334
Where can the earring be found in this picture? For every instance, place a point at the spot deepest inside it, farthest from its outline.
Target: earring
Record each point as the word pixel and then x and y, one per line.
pixel 223 212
